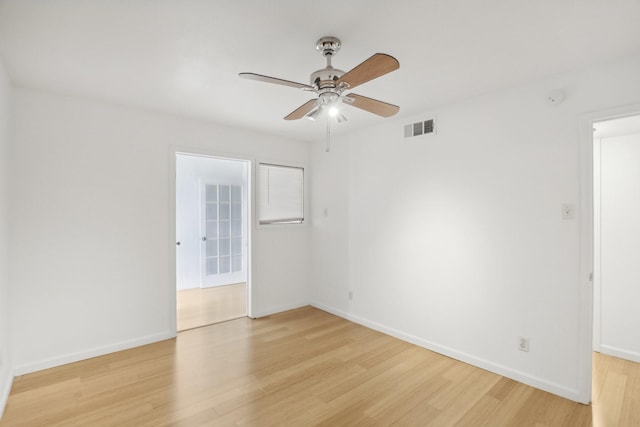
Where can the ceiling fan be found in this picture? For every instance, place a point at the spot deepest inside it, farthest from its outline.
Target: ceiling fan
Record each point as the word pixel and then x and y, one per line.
pixel 331 85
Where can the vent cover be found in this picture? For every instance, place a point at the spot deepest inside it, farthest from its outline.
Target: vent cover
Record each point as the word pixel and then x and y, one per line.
pixel 425 127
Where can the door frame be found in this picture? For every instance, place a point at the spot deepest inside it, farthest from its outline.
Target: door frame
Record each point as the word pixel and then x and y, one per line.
pixel 203 152
pixel 586 236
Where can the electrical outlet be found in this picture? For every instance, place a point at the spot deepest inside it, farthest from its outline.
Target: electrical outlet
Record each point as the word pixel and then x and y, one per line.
pixel 523 343
pixel 350 295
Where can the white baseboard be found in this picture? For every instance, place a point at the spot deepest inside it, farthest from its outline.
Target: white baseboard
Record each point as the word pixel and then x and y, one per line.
pixel 619 352
pixel 505 371
pixel 4 393
pixel 39 365
pixel 277 309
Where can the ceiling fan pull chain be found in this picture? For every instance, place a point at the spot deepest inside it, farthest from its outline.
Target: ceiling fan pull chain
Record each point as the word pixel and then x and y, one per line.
pixel 328 134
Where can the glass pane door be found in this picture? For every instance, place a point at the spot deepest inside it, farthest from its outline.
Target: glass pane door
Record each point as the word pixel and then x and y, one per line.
pixel 211 229
pixel 223 240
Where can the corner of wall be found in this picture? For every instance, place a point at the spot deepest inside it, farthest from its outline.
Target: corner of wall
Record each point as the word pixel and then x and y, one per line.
pixel 7 383
pixel 6 369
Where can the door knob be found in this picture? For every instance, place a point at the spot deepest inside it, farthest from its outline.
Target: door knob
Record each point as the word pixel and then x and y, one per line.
pixel 177 243
pixel 204 238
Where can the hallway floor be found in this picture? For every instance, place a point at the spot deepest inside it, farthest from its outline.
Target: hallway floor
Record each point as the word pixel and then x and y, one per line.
pixel 205 306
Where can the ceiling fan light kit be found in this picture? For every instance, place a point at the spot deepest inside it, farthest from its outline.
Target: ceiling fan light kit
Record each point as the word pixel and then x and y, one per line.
pixel 331 85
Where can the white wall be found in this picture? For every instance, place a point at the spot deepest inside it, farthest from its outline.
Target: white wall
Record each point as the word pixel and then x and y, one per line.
pixel 6 374
pixel 619 237
pixel 191 171
pixel 455 241
pixel 330 224
pixel 90 205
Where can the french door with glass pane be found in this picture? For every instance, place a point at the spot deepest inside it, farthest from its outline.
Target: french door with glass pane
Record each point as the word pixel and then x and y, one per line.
pixel 223 235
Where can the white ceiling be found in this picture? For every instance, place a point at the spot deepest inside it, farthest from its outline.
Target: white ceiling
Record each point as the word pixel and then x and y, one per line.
pixel 183 56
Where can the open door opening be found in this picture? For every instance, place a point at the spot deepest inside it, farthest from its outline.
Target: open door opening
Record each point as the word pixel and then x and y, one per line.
pixel 212 239
pixel 616 200
pixel 611 237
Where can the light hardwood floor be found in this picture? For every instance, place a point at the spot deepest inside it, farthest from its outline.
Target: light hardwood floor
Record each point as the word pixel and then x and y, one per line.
pixel 200 307
pixel 303 367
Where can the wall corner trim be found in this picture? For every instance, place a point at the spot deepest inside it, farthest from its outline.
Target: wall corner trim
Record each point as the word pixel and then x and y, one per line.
pixel 4 393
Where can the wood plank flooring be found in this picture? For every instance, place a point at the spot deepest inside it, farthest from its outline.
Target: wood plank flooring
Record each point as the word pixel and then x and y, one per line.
pixel 303 367
pixel 199 307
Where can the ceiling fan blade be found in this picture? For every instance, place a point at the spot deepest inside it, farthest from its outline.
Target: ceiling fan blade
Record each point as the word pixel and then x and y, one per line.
pixel 267 79
pixel 372 105
pixel 302 110
pixel 374 67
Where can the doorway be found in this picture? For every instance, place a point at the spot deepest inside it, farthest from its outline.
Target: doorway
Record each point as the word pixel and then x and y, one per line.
pixel 212 239
pixel 616 213
pixel 591 275
pixel 589 335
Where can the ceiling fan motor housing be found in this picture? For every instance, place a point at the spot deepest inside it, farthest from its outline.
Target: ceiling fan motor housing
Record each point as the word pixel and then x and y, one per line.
pixel 325 77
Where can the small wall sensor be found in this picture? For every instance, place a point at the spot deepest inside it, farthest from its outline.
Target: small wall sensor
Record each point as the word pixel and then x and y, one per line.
pixel 555 97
